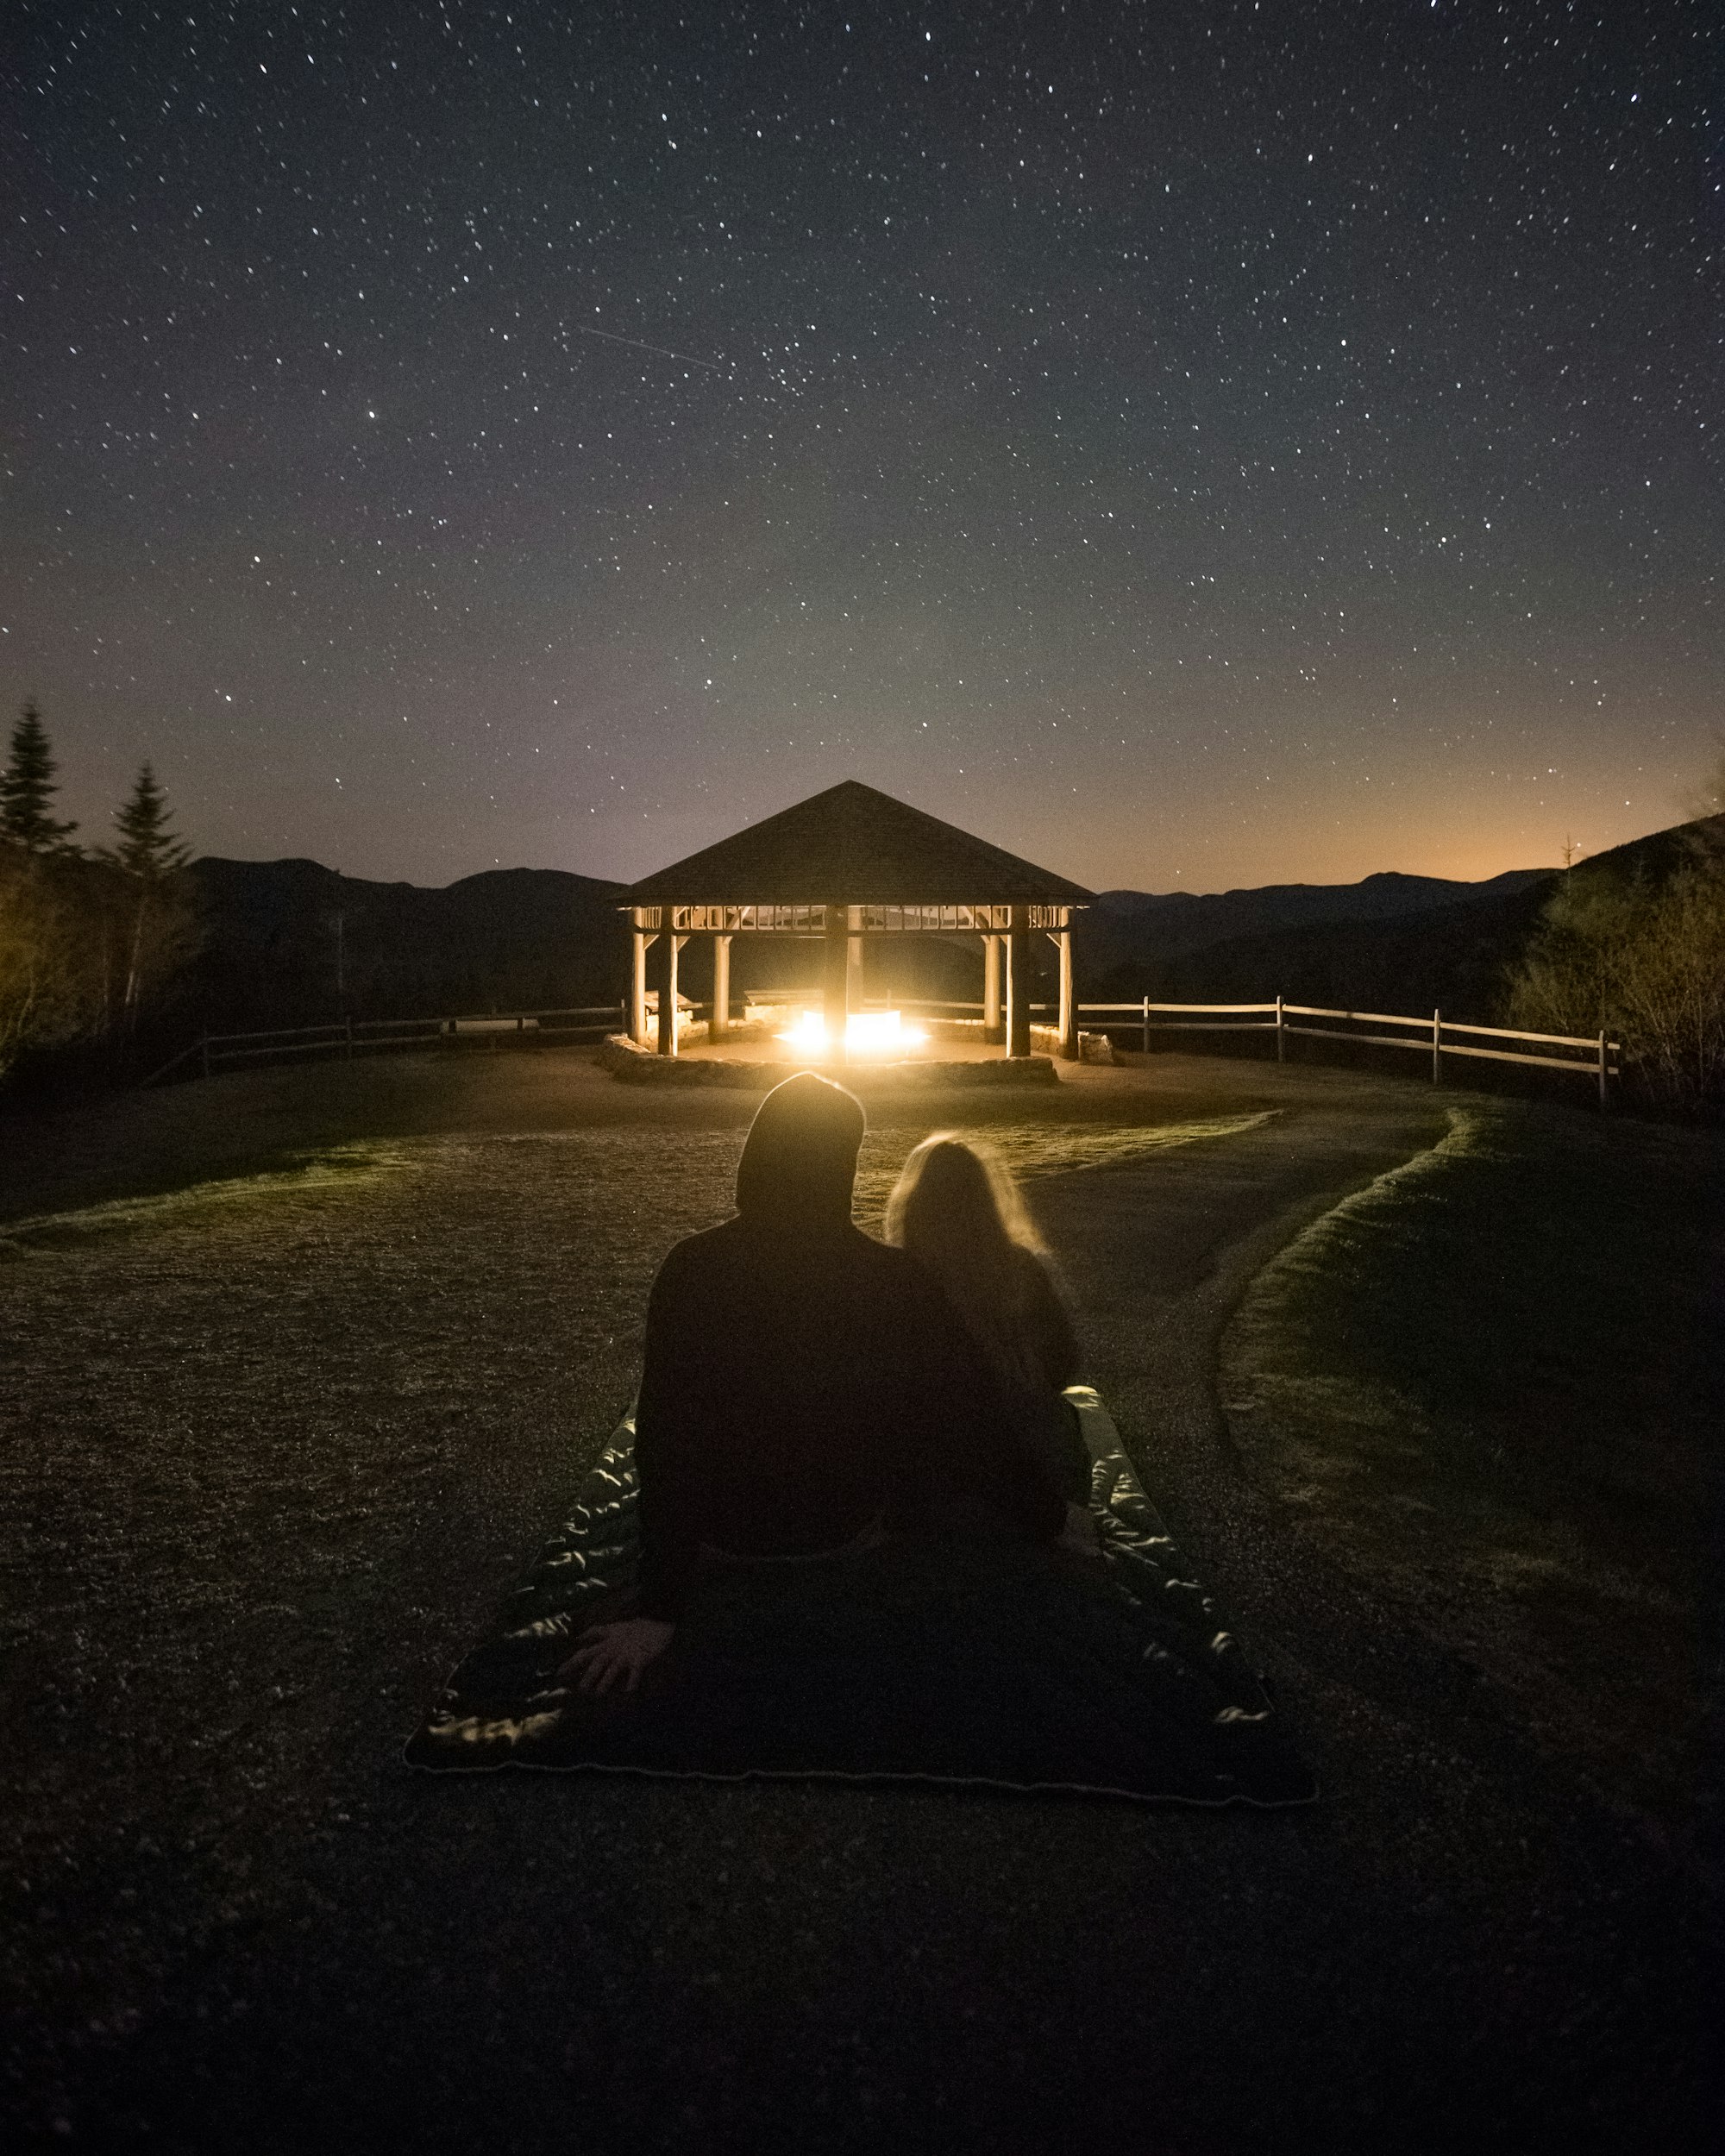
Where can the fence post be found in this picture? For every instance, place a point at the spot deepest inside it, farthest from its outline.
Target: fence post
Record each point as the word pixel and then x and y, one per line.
pixel 1604 1094
pixel 1146 1025
pixel 203 1052
pixel 1280 1035
pixel 1436 1048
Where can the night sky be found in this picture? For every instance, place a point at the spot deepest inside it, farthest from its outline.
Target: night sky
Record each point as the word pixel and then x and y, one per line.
pixel 1191 445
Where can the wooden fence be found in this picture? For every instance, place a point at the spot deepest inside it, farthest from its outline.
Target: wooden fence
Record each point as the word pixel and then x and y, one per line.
pixel 347 1038
pixel 1591 1057
pixel 1588 1056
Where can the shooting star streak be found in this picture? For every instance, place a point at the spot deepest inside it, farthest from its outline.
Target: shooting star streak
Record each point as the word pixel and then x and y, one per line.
pixel 687 358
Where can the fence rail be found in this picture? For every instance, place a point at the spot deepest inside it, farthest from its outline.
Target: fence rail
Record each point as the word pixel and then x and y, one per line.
pixel 346 1038
pixel 1433 1036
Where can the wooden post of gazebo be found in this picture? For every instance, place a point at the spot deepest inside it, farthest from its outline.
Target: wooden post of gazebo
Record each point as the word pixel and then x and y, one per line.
pixel 720 1025
pixel 639 940
pixel 1062 940
pixel 836 977
pixel 667 985
pixel 1017 982
pixel 853 975
pixel 992 1030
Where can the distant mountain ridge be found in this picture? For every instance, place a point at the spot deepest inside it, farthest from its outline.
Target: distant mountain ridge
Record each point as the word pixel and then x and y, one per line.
pixel 1403 944
pixel 298 869
pixel 1169 925
pixel 293 942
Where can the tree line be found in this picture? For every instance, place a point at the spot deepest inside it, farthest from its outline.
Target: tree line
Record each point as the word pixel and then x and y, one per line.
pixel 1641 957
pixel 93 939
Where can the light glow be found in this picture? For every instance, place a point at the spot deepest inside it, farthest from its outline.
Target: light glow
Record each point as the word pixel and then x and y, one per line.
pixel 866 1033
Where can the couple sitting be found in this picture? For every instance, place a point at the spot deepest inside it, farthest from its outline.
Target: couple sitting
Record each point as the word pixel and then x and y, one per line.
pixel 807 1392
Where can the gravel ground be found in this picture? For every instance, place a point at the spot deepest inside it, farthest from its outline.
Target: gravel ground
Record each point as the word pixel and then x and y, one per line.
pixel 299 1367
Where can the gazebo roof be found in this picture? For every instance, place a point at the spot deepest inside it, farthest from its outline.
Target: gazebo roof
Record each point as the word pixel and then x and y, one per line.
pixel 858 845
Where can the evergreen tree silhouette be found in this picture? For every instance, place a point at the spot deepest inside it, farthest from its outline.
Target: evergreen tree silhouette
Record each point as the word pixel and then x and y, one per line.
pixel 27 788
pixel 151 857
pixel 147 849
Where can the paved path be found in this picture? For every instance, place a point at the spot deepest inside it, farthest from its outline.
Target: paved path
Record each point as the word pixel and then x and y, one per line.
pixel 1460 1947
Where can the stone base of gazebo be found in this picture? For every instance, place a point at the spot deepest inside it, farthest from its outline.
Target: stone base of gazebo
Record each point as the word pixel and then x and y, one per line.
pixel 697 1063
pixel 1044 1040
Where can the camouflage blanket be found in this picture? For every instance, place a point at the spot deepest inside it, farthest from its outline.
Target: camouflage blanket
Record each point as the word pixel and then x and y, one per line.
pixel 955 1659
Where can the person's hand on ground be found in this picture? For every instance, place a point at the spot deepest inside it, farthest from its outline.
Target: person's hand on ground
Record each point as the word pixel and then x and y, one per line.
pixel 1079 1534
pixel 609 1654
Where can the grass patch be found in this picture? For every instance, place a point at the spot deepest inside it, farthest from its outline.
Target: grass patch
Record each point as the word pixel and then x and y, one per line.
pixel 327 1169
pixel 1030 1150
pixel 1493 1380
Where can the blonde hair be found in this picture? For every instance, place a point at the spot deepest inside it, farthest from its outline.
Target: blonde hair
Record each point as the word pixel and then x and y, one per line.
pixel 956 1209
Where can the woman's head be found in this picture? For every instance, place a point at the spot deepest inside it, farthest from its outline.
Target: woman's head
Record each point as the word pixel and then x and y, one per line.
pixel 958 1210
pixel 955 1204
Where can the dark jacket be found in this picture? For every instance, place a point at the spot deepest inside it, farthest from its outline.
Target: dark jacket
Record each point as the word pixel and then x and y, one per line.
pixel 801 1380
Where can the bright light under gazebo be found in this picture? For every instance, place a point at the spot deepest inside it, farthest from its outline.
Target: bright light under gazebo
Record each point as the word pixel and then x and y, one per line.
pixel 866 1033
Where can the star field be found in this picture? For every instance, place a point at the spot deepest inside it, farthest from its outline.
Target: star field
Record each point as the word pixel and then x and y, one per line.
pixel 1191 445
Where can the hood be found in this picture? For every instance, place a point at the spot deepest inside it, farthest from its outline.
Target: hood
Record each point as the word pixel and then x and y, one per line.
pixel 799 1159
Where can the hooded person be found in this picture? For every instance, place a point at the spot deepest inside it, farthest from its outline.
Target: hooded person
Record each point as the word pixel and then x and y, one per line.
pixel 804 1388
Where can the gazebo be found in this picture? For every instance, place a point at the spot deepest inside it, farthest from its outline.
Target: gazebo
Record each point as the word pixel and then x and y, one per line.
pixel 845 865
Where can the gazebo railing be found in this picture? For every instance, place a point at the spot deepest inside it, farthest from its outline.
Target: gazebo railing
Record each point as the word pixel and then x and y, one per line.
pixel 809 918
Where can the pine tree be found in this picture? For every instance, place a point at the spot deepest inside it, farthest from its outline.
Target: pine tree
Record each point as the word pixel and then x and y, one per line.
pixel 147 850
pixel 152 857
pixel 27 788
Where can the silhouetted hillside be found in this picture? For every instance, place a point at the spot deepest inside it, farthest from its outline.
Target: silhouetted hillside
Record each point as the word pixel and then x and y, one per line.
pixel 1453 956
pixel 1399 944
pixel 293 943
pixel 1137 926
